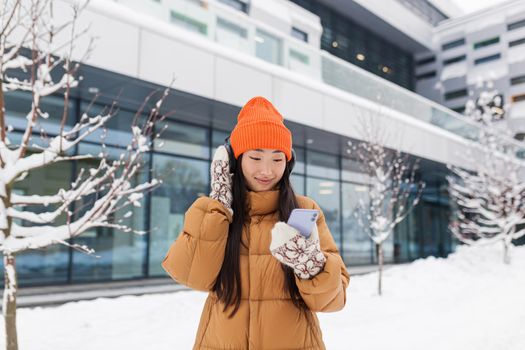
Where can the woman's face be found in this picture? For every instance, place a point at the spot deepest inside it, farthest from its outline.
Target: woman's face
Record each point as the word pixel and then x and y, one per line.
pixel 263 168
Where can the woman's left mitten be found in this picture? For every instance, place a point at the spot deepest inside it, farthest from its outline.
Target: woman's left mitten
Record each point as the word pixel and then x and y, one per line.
pixel 302 254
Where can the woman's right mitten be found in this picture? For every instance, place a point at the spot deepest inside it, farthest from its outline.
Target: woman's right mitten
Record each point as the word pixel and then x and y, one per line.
pixel 221 178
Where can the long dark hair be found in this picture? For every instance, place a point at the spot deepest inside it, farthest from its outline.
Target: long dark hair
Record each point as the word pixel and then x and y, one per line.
pixel 228 283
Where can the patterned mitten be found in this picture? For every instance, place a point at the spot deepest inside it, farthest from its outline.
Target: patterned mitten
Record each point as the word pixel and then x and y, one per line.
pixel 302 254
pixel 221 178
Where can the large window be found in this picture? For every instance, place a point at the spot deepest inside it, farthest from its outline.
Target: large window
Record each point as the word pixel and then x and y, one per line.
pixel 322 165
pixel 184 139
pixel 118 255
pixel 357 244
pixel 327 194
pixel 51 264
pixel 183 181
pixel 323 186
pixel 117 130
pixel 406 239
pixel 18 104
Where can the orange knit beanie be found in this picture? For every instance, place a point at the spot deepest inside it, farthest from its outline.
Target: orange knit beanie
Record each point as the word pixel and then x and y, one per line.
pixel 260 125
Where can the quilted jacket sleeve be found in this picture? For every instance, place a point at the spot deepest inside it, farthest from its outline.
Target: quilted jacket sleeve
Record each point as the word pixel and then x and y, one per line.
pixel 196 256
pixel 326 292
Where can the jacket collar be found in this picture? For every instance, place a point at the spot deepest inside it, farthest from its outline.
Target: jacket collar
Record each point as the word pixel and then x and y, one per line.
pixel 262 203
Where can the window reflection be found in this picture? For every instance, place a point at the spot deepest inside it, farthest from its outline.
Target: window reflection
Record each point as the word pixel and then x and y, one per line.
pixel 326 194
pixel 117 254
pixel 322 165
pixel 183 181
pixel 357 243
pixel 46 265
pixel 117 131
pixel 299 161
pixel 268 47
pixel 183 139
pixel 18 104
pixel 297 182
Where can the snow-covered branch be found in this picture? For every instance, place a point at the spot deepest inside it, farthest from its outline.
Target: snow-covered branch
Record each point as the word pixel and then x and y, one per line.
pixel 38 62
pixel 33 61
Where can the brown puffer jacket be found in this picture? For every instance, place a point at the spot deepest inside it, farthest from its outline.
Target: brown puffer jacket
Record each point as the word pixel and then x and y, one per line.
pixel 266 319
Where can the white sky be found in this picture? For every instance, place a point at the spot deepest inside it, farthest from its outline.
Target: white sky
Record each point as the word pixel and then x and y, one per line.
pixel 473 5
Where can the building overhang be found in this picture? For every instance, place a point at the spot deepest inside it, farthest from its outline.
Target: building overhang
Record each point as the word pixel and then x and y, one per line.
pixel 389 20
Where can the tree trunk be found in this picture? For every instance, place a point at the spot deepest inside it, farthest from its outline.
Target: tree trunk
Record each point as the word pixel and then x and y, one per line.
pixel 380 262
pixel 2 113
pixel 9 304
pixel 506 252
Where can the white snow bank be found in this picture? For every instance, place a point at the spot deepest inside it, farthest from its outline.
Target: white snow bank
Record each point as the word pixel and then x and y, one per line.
pixel 469 301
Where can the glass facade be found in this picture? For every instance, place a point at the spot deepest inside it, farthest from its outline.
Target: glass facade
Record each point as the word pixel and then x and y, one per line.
pixel 181 158
pixel 352 42
pixel 118 255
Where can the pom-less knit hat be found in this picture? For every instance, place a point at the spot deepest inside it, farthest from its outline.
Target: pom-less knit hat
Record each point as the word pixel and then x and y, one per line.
pixel 260 125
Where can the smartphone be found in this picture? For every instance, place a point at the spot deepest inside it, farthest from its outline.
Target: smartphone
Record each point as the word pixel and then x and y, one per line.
pixel 303 220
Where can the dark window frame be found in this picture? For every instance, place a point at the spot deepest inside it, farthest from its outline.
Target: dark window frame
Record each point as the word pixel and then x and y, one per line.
pixel 517 42
pixel 427 60
pixel 520 79
pixel 516 25
pixel 486 42
pixel 427 75
pixel 487 59
pixel 454 60
pixel 455 94
pixel 452 44
pixel 299 34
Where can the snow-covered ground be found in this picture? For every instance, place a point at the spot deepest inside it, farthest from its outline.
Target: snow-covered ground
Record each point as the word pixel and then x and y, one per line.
pixel 470 300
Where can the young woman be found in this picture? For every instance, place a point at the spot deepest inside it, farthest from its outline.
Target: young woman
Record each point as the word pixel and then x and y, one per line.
pixel 265 280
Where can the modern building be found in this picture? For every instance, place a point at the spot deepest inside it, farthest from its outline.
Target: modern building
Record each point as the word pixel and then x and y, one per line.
pixel 324 64
pixel 466 53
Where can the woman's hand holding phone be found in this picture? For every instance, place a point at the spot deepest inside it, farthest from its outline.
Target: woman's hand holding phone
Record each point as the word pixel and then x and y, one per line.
pixel 298 246
pixel 303 220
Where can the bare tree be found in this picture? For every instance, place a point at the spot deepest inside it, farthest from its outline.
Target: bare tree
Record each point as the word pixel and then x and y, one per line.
pixel 34 61
pixel 489 194
pixel 394 190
